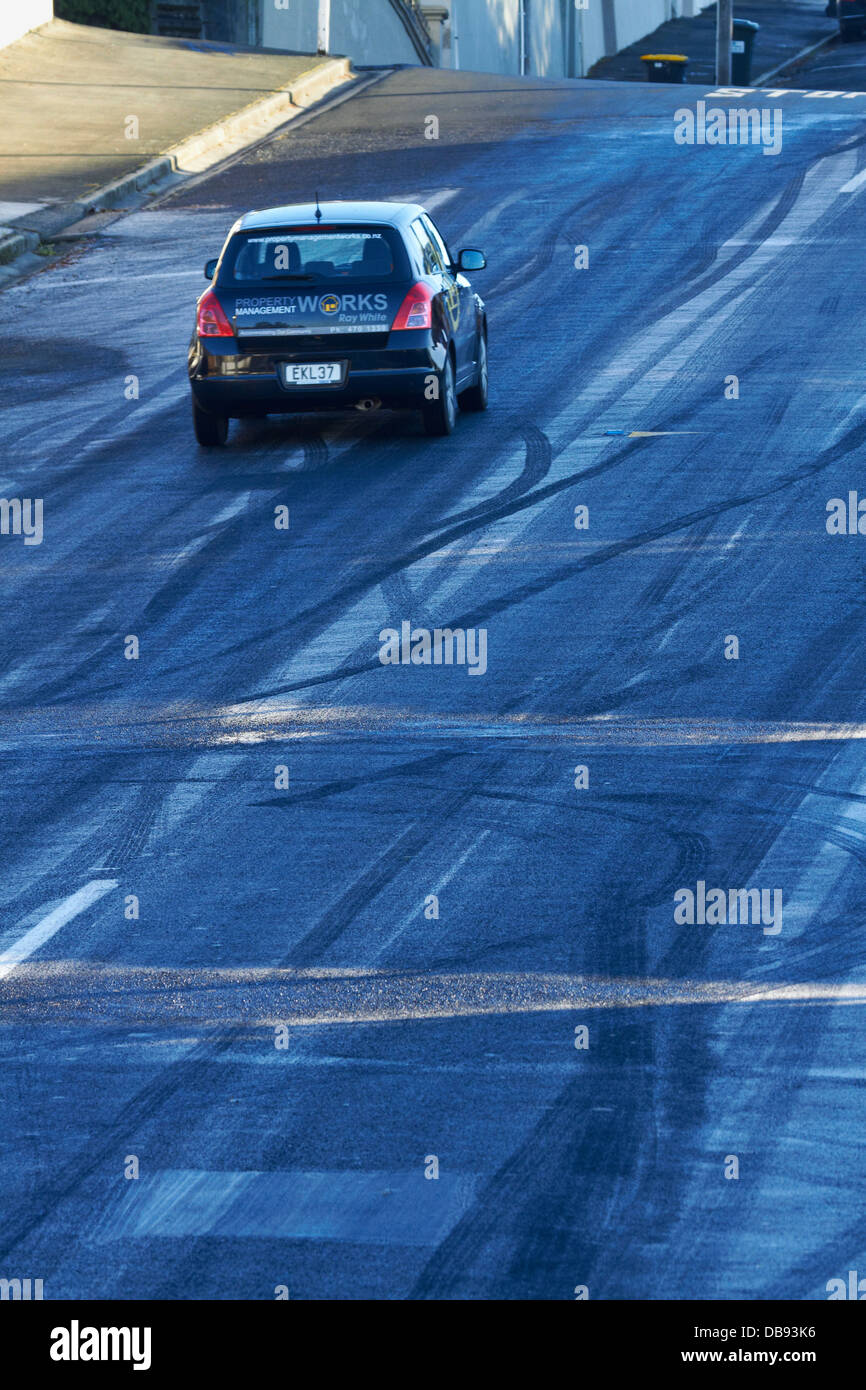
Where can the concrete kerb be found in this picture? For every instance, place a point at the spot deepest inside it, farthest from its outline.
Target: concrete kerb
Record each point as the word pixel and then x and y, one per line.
pixel 789 63
pixel 14 243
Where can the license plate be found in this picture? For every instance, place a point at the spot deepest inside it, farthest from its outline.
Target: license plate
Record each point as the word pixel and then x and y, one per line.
pixel 311 373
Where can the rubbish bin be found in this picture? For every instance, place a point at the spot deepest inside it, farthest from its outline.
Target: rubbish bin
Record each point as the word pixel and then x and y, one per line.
pixel 665 67
pixel 741 51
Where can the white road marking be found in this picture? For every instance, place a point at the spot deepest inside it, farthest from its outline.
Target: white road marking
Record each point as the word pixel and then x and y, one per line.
pixel 734 538
pixel 489 218
pixel 779 92
pixel 117 279
pixel 411 917
pixel 429 200
pixel 373 1208
pixel 772 240
pixel 853 184
pixel 187 796
pixel 232 509
pixel 44 930
pixel 186 552
pixel 669 634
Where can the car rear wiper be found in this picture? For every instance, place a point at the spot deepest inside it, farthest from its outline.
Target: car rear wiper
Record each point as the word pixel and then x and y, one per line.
pixel 287 277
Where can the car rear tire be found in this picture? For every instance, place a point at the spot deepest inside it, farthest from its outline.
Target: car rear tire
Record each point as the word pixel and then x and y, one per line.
pixel 475 398
pixel 211 431
pixel 440 415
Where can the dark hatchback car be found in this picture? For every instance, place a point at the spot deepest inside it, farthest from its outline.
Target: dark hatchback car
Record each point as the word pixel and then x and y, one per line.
pixel 325 308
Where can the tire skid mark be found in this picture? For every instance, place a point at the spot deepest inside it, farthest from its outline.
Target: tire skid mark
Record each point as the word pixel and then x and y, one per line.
pixel 415 767
pixel 482 518
pixel 786 201
pixel 538 458
pixel 853 439
pixel 192 1071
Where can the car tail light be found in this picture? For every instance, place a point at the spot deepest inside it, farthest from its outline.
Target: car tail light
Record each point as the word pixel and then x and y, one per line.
pixel 211 321
pixel 416 311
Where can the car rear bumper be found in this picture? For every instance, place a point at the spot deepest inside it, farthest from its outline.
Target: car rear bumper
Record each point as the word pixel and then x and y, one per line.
pixel 249 395
pixel 226 382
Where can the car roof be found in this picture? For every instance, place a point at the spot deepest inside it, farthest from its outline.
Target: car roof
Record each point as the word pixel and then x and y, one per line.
pixel 291 214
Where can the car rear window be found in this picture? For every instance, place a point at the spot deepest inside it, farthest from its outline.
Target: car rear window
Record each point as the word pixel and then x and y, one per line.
pixel 323 254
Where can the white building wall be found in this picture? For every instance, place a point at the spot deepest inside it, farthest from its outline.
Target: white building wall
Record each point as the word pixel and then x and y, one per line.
pixel 479 35
pixel 19 16
pixel 482 36
pixel 488 32
pixel 548 38
pixel 367 31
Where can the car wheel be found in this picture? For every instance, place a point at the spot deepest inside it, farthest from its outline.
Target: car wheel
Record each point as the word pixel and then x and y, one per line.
pixel 440 415
pixel 849 34
pixel 476 396
pixel 210 430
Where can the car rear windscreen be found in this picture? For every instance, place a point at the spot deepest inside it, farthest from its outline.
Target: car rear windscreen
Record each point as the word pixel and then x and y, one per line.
pixel 320 255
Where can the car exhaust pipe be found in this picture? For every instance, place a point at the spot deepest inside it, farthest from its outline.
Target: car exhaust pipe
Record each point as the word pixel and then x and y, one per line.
pixel 368 403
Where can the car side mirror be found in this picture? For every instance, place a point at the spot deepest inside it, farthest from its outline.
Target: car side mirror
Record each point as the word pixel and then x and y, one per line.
pixel 210 268
pixel 470 259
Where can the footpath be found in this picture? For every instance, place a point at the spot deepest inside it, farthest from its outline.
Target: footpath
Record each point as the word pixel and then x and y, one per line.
pixel 790 30
pixel 93 118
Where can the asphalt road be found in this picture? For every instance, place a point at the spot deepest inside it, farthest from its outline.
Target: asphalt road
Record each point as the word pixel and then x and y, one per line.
pixel 840 67
pixel 410 1037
